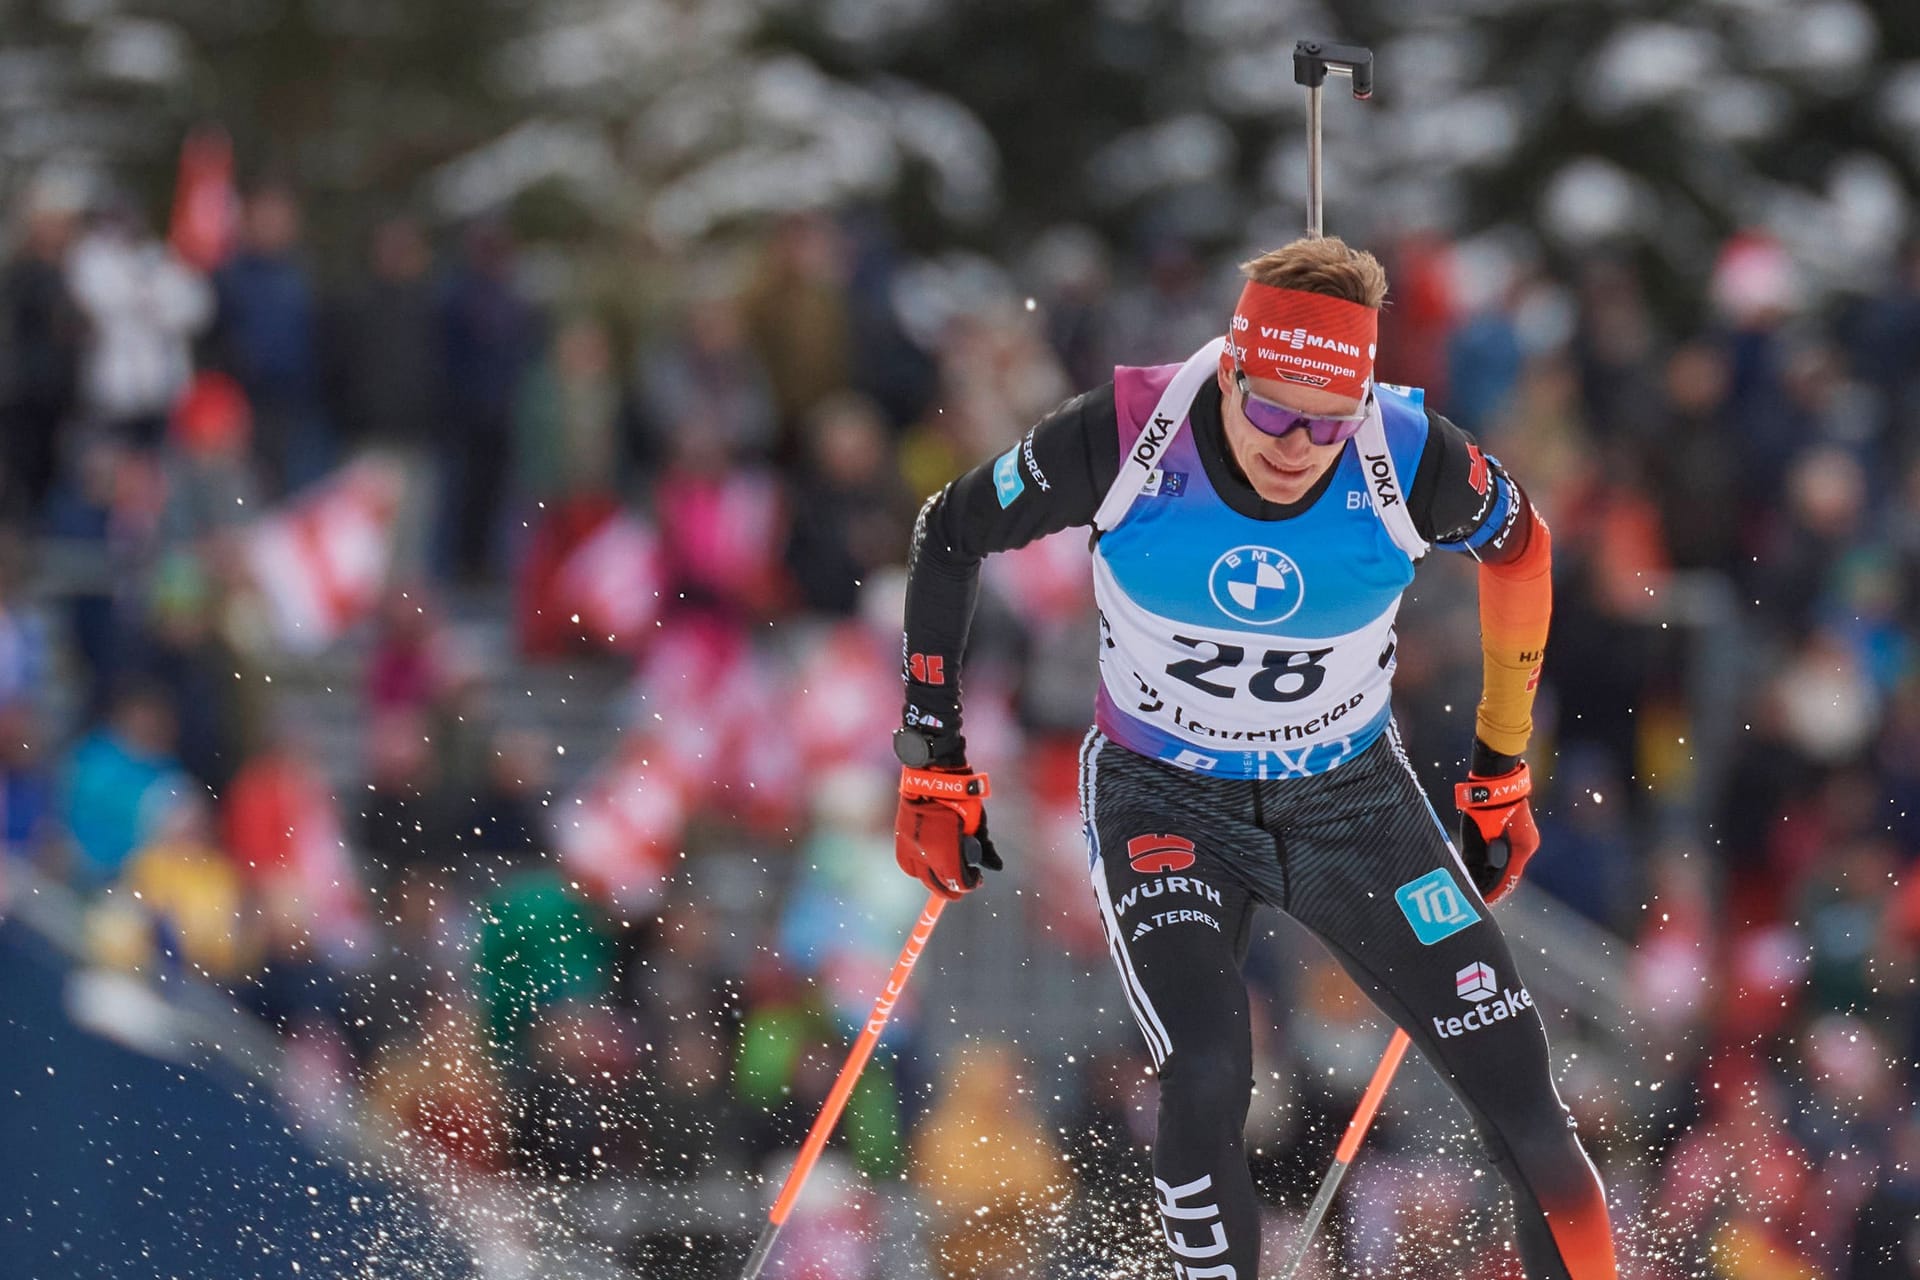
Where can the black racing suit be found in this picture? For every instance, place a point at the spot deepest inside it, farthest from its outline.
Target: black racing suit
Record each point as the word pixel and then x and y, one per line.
pixel 1355 854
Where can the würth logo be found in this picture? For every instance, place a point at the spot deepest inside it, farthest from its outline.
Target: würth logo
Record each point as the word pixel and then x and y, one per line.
pixel 1151 855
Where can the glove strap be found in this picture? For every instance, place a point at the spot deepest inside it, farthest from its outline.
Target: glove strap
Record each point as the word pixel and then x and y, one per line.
pixel 1493 793
pixel 957 786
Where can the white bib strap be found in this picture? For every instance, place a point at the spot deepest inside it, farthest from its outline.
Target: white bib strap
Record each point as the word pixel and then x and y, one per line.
pixel 1383 482
pixel 1156 436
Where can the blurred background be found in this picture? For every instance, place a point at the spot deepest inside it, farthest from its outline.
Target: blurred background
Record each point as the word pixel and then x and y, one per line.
pixel 456 464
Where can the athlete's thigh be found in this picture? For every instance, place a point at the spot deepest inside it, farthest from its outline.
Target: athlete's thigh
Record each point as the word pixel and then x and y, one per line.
pixel 1176 914
pixel 1371 871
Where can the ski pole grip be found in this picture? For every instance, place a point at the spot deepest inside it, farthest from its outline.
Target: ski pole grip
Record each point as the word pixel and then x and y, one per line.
pixel 1314 59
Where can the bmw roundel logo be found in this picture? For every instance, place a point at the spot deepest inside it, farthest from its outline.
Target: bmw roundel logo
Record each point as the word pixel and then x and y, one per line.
pixel 1256 584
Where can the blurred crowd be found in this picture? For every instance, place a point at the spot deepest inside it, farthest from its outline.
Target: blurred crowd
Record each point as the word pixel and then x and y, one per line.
pixel 530 969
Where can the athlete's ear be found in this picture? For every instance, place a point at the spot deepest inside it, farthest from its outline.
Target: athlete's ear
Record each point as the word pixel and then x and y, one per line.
pixel 1225 380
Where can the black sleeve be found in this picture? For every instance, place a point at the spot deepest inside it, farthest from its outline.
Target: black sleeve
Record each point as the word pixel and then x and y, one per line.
pixel 1462 499
pixel 1053 479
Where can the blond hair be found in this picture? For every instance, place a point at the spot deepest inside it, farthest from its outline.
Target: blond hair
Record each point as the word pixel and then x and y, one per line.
pixel 1326 264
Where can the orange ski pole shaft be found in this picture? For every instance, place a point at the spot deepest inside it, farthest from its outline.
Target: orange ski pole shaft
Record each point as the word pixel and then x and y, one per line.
pixel 843 1086
pixel 1350 1142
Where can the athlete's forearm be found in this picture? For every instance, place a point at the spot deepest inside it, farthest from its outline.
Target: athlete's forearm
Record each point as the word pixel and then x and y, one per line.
pixel 1516 604
pixel 943 584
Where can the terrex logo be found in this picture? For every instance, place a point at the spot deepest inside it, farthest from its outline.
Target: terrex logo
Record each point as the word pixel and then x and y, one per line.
pixel 1151 855
pixel 1434 906
pixel 1477 468
pixel 1478 986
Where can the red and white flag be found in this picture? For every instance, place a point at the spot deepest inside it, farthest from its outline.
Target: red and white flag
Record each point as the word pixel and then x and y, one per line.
pixel 321 562
pixel 622 833
pixel 614 580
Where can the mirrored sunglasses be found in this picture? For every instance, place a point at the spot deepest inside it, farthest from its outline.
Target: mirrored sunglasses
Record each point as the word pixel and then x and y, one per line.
pixel 1277 420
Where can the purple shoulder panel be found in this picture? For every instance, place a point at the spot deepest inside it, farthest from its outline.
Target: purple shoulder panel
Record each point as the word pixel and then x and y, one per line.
pixel 1135 392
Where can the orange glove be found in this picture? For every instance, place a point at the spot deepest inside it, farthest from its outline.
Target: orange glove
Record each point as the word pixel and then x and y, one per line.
pixel 1497 834
pixel 940 833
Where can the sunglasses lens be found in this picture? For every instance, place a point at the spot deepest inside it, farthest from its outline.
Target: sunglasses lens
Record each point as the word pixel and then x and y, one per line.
pixel 1331 430
pixel 1276 420
pixel 1271 418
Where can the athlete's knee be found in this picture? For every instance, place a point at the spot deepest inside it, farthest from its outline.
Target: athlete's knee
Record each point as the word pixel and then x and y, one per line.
pixel 1545 1155
pixel 1206 1086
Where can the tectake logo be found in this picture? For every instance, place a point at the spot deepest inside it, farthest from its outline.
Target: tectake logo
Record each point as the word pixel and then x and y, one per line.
pixel 1434 906
pixel 1257 585
pixel 1477 985
pixel 1476 982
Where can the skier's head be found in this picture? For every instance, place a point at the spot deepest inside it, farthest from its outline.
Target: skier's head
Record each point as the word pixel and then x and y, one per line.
pixel 1322 264
pixel 1298 370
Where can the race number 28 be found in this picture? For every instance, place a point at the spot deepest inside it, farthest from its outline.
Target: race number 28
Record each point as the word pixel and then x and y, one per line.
pixel 1285 675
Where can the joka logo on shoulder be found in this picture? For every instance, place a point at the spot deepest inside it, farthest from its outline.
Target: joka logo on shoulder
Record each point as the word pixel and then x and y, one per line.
pixel 1256 584
pixel 1434 906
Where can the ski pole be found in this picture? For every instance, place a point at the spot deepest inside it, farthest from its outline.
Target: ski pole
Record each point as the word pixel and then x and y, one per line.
pixel 843 1086
pixel 1350 1143
pixel 1313 62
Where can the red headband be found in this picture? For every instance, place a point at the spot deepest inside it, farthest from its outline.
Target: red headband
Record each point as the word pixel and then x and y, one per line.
pixel 1309 339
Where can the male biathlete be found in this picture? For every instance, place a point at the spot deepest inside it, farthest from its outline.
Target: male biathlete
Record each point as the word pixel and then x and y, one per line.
pixel 1257 512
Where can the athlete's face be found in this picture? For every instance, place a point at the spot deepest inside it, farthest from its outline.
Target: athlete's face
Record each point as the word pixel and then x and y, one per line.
pixel 1281 468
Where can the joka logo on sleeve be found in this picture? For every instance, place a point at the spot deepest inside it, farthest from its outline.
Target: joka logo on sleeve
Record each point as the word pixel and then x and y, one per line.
pixel 1434 906
pixel 1153 854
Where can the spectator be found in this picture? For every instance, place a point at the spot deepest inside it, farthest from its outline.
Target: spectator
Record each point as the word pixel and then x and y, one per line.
pixel 208 478
pixel 1697 493
pixel 705 376
pixel 389 374
pixel 502 818
pixel 182 652
pixel 541 945
pixel 722 528
pixel 187 886
pixel 121 779
pixel 565 446
pixel 438 1091
pixel 852 514
pixel 40 344
pixel 267 335
pixel 143 308
pixel 985 1156
pixel 403 821
pixel 489 334
pixel 281 825
pixel 797 312
pixel 409 669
